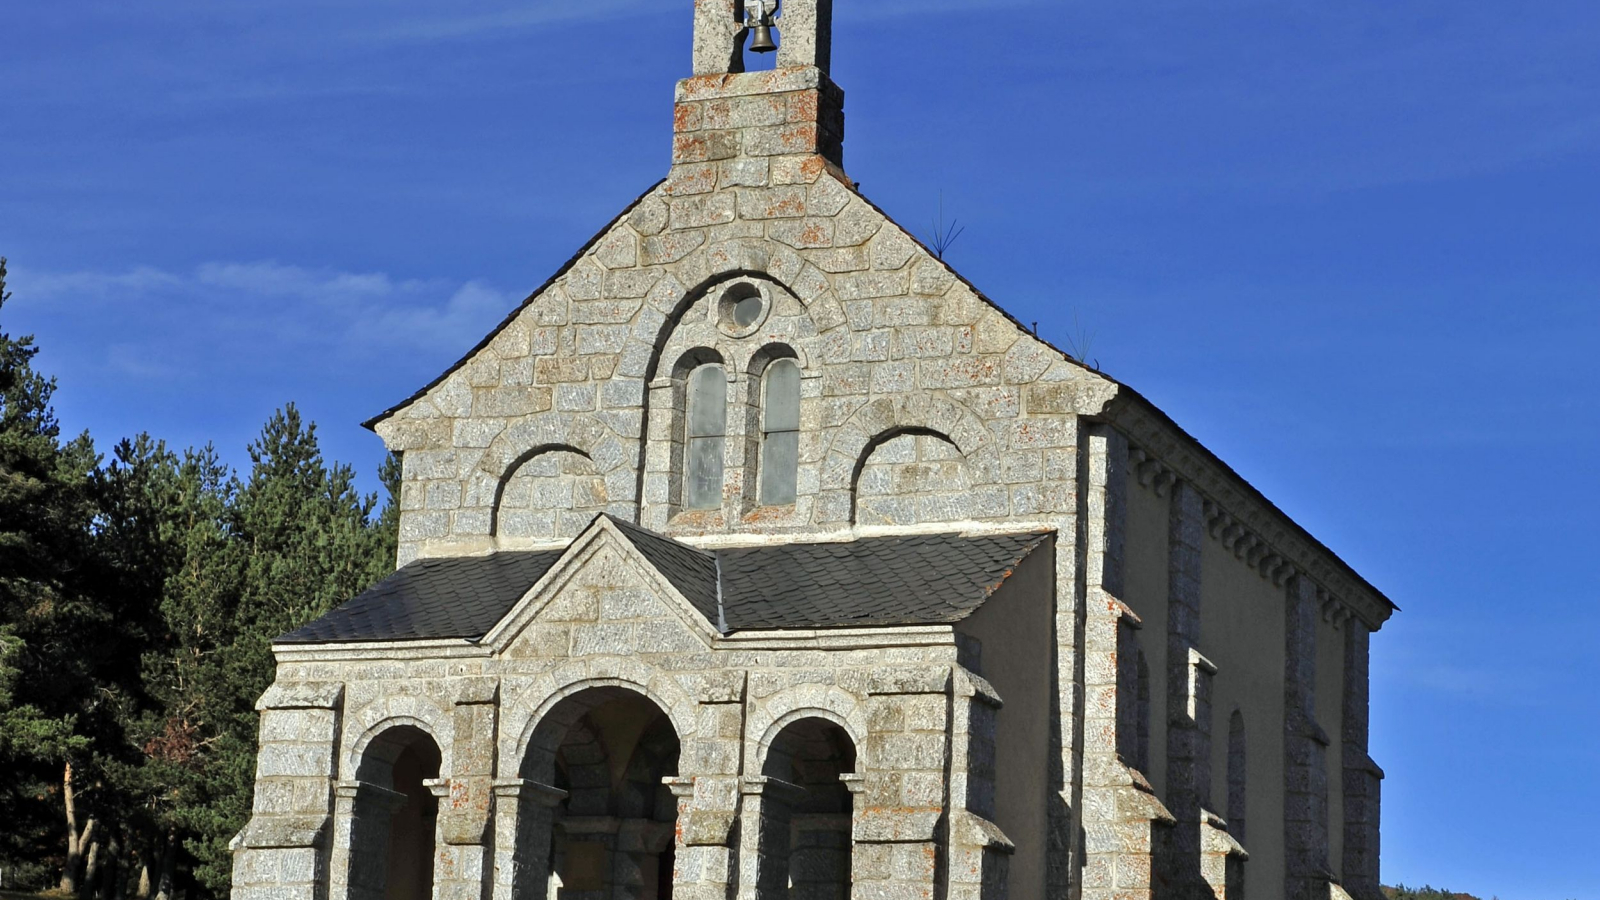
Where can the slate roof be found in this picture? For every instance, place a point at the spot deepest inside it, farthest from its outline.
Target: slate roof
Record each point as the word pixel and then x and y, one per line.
pixel 908 580
pixel 900 580
pixel 693 572
pixel 432 598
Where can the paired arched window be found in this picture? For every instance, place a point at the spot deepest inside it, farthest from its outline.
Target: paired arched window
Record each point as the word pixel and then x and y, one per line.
pixel 780 432
pixel 707 421
pixel 706 431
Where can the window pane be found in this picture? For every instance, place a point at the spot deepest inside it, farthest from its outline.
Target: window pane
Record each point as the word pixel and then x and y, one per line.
pixel 780 459
pixel 747 311
pixel 782 401
pixel 703 486
pixel 708 402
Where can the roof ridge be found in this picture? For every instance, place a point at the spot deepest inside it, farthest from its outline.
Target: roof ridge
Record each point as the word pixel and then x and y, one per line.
pixel 633 527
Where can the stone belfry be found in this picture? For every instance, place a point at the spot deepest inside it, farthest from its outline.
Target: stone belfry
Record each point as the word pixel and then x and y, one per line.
pixel 758 127
pixel 757 555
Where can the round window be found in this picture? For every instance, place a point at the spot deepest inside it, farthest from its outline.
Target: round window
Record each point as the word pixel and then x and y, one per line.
pixel 742 309
pixel 747 311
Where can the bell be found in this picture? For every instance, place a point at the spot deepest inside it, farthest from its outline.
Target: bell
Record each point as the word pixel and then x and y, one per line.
pixel 761 29
pixel 761 37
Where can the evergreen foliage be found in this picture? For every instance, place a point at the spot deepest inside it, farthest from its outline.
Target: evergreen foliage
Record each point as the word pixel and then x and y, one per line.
pixel 139 596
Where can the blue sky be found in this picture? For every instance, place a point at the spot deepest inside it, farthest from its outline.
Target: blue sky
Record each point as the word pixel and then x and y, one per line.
pixel 1353 247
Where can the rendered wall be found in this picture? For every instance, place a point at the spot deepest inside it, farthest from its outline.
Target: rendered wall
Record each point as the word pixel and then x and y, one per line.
pixel 1148 564
pixel 1243 633
pixel 1013 629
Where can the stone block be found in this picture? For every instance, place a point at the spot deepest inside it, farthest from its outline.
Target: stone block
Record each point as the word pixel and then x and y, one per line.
pixel 802 234
pixel 700 212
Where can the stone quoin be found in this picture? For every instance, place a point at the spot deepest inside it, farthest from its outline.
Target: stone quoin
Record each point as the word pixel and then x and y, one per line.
pixel 757 554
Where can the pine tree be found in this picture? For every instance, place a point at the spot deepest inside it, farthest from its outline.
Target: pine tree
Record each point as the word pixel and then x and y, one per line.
pixel 300 540
pixel 57 714
pixel 138 603
pixel 163 534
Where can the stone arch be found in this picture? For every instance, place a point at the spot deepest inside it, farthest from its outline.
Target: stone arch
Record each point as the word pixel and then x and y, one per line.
pixel 520 721
pixel 810 309
pixel 769 353
pixel 367 723
pixel 806 701
pixel 885 415
pixel 580 434
pixel 393 815
pixel 804 811
pixel 599 754
pixel 552 491
pixel 694 358
pixel 928 424
pixel 702 270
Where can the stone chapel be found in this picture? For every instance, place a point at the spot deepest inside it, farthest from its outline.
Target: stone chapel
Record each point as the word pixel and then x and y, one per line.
pixel 758 555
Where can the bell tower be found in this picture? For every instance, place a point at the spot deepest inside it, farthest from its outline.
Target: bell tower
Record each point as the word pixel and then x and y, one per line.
pixel 725 113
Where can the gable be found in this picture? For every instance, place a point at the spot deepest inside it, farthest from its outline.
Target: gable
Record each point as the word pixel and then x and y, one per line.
pixel 608 597
pixel 891 342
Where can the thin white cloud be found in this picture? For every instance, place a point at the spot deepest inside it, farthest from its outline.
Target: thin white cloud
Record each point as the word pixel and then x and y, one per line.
pixel 266 307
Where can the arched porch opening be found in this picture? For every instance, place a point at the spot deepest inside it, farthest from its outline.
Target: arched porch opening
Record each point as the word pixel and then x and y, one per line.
pixel 394 817
pixel 595 820
pixel 805 813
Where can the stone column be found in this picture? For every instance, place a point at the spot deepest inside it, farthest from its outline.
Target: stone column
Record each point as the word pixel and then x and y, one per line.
pixel 635 867
pixel 524 825
pixel 707 808
pixel 718 38
pixel 362 819
pixel 1305 785
pixel 1190 862
pixel 979 852
pixel 285 850
pixel 1119 810
pixel 464 868
pixel 765 811
pixel 663 476
pixel 805 33
pixel 902 800
pixel 1362 777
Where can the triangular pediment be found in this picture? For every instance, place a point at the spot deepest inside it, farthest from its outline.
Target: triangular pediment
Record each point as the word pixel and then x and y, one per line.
pixel 617 590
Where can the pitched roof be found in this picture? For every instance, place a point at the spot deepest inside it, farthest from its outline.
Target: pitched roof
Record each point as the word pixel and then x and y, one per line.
pixel 432 598
pixel 901 580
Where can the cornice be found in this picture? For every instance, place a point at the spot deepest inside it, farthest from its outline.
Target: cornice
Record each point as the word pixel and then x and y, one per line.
pixel 1237 515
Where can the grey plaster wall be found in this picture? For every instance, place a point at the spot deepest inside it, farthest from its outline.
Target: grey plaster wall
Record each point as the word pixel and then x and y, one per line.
pixel 1242 632
pixel 1148 563
pixel 1012 632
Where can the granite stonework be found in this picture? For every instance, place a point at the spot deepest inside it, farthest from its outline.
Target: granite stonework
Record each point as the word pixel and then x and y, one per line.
pixel 923 407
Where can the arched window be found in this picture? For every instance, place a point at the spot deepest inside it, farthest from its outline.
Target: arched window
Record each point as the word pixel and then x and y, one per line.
pixel 705 434
pixel 780 432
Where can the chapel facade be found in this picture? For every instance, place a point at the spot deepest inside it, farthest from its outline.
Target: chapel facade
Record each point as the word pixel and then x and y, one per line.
pixel 758 555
